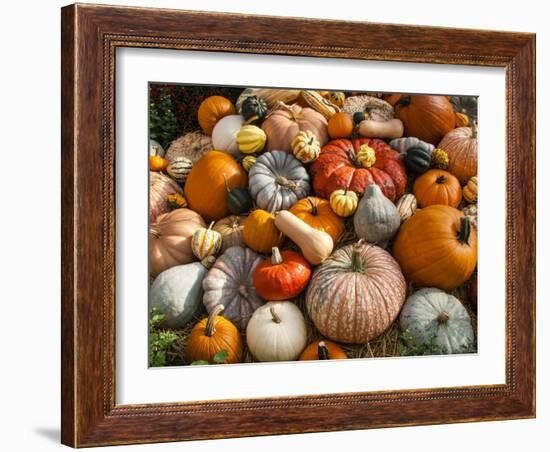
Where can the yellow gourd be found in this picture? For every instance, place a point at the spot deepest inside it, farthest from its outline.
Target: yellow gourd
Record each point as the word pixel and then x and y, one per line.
pixel 250 139
pixel 469 191
pixel 343 202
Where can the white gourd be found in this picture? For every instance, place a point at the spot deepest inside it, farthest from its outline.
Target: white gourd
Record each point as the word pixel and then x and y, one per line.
pixel 376 219
pixel 277 332
pixel 406 206
pixel 277 180
pixel 224 135
pixel 177 292
pixel 156 149
pixel 433 318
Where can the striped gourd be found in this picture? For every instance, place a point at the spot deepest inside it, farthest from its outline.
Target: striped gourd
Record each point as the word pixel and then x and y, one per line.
pixel 406 206
pixel 179 168
pixel 356 294
pixel 314 100
pixel 206 242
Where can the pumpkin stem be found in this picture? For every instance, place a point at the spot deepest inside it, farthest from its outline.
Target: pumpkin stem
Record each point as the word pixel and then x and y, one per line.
pixel 226 184
pixel 274 315
pixel 243 291
pixel 441 179
pixel 288 108
pixel 314 211
pixel 276 257
pixel 210 328
pixel 465 228
pixel 474 131
pixel 210 226
pixel 353 157
pixel 442 318
pixel 155 233
pixel 284 182
pixel 208 261
pixel 404 101
pixel 322 351
pixel 356 261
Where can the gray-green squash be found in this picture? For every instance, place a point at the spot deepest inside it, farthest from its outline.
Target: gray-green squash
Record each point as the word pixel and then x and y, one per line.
pixel 277 180
pixel 438 322
pixel 177 292
pixel 376 219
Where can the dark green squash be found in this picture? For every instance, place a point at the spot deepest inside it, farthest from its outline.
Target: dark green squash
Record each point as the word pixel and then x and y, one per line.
pixel 418 160
pixel 238 200
pixel 359 116
pixel 254 109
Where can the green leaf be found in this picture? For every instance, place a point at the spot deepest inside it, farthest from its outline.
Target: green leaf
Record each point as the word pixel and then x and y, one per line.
pixel 220 357
pixel 200 362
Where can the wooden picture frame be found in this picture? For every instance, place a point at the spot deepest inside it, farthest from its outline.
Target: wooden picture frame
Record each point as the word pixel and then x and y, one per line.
pixel 90 36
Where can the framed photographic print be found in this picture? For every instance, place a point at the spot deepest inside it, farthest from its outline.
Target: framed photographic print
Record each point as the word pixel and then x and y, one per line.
pixel 266 232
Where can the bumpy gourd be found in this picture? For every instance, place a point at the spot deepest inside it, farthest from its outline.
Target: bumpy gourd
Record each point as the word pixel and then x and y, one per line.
pixel 344 202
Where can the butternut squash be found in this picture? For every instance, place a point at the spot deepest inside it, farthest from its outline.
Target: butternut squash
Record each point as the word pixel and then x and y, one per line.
pixel 315 245
pixel 381 129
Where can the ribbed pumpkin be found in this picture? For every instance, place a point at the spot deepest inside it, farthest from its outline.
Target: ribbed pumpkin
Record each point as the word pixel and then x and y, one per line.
pixel 427 118
pixel 317 213
pixel 323 350
pixel 343 202
pixel 224 135
pixel 305 146
pixel 437 247
pixel 461 147
pixel 229 282
pixel 356 294
pixel 437 187
pixel 213 335
pixel 160 186
pixel 211 110
pixel 250 139
pixel 282 276
pixel 205 186
pixel 170 239
pixel 337 168
pixel 260 232
pixel 282 125
pixel 179 168
pixel 277 180
pixel 469 191
pixel 418 160
pixel 231 229
pixel 206 242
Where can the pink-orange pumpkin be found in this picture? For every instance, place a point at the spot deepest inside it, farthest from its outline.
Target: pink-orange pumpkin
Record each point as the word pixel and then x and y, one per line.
pixel 461 146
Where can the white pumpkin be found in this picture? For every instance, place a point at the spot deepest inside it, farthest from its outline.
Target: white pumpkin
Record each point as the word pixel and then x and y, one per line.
pixel 276 332
pixel 434 319
pixel 224 135
pixel 156 149
pixel 177 292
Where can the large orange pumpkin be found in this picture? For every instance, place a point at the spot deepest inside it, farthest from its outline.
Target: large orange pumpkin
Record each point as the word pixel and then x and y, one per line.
pixel 338 167
pixel 284 123
pixel 170 239
pixel 437 187
pixel 427 118
pixel 205 188
pixel 319 215
pixel 461 147
pixel 211 110
pixel 320 350
pixel 260 232
pixel 213 335
pixel 437 247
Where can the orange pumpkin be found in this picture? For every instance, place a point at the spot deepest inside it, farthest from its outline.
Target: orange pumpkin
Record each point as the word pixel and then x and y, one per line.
pixel 437 247
pixel 212 335
pixel 211 110
pixel 260 232
pixel 282 276
pixel 205 186
pixel 318 214
pixel 437 187
pixel 427 118
pixel 320 350
pixel 461 147
pixel 170 239
pixel 157 163
pixel 340 125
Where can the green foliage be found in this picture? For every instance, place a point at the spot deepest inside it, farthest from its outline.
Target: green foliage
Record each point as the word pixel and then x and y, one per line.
pixel 163 126
pixel 218 358
pixel 160 341
pixel 408 346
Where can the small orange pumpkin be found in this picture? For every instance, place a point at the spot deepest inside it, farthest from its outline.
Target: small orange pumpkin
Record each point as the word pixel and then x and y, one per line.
pixel 340 125
pixel 212 335
pixel 437 187
pixel 157 163
pixel 437 247
pixel 260 232
pixel 321 350
pixel 318 214
pixel 211 110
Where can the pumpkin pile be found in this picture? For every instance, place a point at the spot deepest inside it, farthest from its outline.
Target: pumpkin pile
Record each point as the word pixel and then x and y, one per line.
pixel 314 225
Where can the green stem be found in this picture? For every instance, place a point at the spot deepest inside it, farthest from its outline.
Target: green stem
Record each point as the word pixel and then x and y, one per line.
pixel 314 211
pixel 404 101
pixel 356 262
pixel 465 227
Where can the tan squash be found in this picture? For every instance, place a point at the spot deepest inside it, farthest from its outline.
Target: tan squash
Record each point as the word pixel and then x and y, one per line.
pixel 378 129
pixel 315 245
